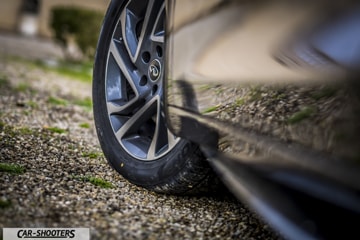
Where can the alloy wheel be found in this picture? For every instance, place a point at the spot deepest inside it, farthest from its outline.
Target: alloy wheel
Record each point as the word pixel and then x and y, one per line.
pixel 134 81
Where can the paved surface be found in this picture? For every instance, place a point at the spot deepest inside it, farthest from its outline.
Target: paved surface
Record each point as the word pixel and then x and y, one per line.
pixel 29 47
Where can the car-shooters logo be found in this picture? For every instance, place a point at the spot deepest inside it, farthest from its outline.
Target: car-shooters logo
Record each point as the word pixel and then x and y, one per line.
pixel 46 233
pixel 42 233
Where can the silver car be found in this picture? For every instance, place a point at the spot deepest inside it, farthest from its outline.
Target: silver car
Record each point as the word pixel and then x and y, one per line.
pixel 263 94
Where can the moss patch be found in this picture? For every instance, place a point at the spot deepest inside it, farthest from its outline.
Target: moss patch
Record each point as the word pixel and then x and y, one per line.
pixel 211 109
pixel 95 181
pixel 324 93
pixel 11 168
pixel 84 125
pixel 303 114
pixel 5 204
pixel 92 155
pixel 280 96
pixel 86 103
pixel 57 101
pixel 56 130
pixel 4 81
pixel 2 126
pixel 75 70
pixel 25 131
pixel 255 94
pixel 238 102
pixel 32 104
pixel 22 87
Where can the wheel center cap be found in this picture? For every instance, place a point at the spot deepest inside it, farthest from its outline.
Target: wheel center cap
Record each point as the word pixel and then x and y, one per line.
pixel 155 70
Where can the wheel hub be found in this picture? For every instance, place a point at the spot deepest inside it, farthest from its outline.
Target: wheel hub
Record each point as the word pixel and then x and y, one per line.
pixel 154 71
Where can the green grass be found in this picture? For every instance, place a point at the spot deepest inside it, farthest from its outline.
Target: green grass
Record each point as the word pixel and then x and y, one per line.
pixel 76 70
pixel 211 109
pixel 57 101
pixel 239 102
pixel 84 125
pixel 218 90
pixel 86 103
pixel 32 104
pixel 92 155
pixel 280 96
pixel 95 181
pixel 25 131
pixel 5 204
pixel 324 93
pixel 255 94
pixel 2 125
pixel 3 81
pixel 22 87
pixel 205 87
pixel 26 112
pixel 56 130
pixel 81 71
pixel 301 115
pixel 11 168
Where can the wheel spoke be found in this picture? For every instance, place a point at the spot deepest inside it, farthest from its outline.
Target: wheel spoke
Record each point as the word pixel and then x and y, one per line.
pixel 163 139
pixel 128 22
pixel 141 116
pixel 157 33
pixel 172 139
pixel 150 22
pixel 152 150
pixel 130 73
pixel 113 108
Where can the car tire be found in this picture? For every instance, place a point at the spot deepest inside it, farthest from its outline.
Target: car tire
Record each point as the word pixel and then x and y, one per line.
pixel 128 104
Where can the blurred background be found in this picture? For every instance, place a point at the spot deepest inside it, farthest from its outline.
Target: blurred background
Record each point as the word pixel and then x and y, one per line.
pixel 47 50
pixel 51 30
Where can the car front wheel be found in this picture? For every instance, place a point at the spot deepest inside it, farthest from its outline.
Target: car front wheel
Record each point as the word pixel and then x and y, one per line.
pixel 128 103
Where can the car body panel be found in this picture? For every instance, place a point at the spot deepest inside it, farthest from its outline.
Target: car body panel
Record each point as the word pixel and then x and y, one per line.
pixel 222 55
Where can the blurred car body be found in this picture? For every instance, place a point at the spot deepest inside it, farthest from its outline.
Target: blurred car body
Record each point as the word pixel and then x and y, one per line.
pixel 290 51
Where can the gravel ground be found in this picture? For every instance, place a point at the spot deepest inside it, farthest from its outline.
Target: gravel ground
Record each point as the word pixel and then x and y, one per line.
pixel 323 116
pixel 64 180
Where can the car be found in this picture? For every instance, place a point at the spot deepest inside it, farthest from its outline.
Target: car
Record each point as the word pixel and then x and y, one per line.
pixel 261 94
